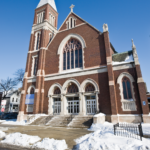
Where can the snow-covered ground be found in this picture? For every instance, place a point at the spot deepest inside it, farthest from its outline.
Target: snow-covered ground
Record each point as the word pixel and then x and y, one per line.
pixel 51 144
pixel 103 138
pixel 13 122
pixel 28 141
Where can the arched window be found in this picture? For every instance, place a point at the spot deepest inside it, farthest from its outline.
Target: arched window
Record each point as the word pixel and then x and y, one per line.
pixel 32 91
pixel 126 88
pixel 73 88
pixel 89 88
pixel 57 91
pixel 72 55
pixel 37 43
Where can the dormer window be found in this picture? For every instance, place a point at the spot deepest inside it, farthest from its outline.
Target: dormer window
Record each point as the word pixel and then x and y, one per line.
pixel 71 23
pixel 51 19
pixel 40 17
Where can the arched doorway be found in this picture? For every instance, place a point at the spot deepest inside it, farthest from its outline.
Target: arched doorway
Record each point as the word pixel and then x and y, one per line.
pixel 90 99
pixel 73 98
pixel 57 101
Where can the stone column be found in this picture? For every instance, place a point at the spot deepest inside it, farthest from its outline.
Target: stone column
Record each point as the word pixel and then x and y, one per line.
pixel 62 105
pixel 111 83
pixel 80 104
pixel 141 87
pixel 50 106
pixel 97 103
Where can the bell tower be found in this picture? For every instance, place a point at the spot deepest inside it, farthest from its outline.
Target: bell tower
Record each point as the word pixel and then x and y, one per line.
pixel 43 30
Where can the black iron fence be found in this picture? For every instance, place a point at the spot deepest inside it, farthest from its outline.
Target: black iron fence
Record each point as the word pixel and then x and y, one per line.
pixel 128 130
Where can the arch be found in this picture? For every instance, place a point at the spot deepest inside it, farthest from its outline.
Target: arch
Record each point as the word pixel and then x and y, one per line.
pixel 67 38
pixel 62 44
pixel 127 105
pixel 125 74
pixel 66 84
pixel 91 81
pixel 29 88
pixel 51 90
pixel 72 88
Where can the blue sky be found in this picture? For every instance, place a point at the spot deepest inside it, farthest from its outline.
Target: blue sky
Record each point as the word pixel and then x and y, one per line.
pixel 126 19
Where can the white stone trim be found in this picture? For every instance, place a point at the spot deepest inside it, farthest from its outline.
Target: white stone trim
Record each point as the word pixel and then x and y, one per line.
pixel 42 90
pixel 74 27
pixel 36 90
pixel 111 83
pixel 23 92
pixel 66 84
pixel 109 60
pixel 75 74
pixel 123 66
pixel 33 61
pixel 87 81
pixel 29 88
pixel 69 21
pixel 124 101
pixel 35 41
pixel 62 44
pixel 26 75
pixel 51 90
pixel 140 80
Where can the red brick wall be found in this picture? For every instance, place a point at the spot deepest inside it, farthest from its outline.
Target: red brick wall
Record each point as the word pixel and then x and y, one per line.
pixel 101 79
pixel 94 53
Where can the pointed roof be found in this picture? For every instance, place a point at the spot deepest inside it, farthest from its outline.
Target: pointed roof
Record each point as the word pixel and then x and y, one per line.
pixel 50 2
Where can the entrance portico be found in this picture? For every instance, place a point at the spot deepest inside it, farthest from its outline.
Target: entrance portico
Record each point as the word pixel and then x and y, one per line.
pixel 73 98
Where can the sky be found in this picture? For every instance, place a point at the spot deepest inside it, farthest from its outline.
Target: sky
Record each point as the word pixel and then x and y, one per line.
pixel 126 19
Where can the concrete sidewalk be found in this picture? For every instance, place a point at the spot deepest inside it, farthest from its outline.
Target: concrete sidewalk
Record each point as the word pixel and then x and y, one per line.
pixel 68 134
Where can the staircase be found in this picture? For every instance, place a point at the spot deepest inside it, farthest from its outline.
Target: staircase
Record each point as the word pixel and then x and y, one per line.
pixel 81 122
pixel 43 120
pixel 60 121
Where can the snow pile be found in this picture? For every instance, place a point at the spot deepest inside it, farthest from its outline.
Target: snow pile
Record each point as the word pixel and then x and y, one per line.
pixel 13 122
pixel 34 117
pixel 128 59
pixel 20 139
pixel 2 134
pixel 104 139
pixel 51 144
pixel 100 114
pixel 146 129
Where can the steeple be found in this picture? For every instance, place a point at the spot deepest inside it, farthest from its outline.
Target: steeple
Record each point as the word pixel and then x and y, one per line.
pixel 50 2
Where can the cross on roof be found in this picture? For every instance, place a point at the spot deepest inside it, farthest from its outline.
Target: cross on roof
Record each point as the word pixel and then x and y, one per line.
pixel 71 7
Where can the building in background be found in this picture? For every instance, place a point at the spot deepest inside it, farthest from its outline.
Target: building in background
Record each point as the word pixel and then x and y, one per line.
pixel 11 102
pixel 76 70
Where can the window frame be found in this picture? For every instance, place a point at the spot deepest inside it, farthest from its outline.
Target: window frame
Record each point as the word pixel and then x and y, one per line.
pixel 33 65
pixel 127 90
pixel 70 50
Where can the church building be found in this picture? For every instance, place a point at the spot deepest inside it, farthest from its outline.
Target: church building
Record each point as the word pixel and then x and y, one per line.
pixel 75 70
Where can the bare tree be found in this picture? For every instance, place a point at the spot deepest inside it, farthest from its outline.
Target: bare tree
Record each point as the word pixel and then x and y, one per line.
pixel 19 76
pixel 7 85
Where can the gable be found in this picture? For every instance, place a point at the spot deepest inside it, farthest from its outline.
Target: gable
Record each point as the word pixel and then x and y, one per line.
pixel 78 21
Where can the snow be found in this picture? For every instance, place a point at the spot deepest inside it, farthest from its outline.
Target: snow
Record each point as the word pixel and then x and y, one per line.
pixel 51 2
pixel 100 114
pixel 51 144
pixel 36 116
pixel 128 59
pixel 2 134
pixel 146 129
pixel 28 141
pixel 20 139
pixel 103 138
pixel 13 122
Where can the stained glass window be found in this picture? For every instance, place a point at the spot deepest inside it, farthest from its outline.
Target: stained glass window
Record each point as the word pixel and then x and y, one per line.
pixel 126 88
